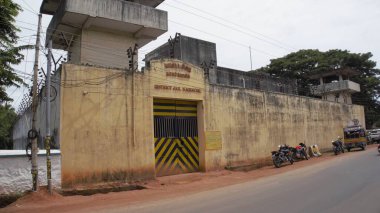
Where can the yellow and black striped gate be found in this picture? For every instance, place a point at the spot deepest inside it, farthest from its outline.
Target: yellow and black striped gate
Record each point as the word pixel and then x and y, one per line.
pixel 175 136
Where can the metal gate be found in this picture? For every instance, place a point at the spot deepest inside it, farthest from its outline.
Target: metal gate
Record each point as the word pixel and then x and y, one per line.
pixel 175 137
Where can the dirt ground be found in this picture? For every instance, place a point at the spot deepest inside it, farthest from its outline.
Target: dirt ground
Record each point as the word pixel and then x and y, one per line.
pixel 161 188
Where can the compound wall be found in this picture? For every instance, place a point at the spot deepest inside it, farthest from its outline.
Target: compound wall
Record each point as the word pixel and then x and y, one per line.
pixel 106 121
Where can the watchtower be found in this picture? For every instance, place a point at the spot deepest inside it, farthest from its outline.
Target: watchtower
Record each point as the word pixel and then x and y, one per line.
pixel 99 32
pixel 335 85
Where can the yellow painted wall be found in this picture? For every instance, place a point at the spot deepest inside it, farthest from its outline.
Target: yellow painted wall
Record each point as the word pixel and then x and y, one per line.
pixel 158 77
pixel 97 120
pixel 254 123
pixel 106 124
pixel 106 134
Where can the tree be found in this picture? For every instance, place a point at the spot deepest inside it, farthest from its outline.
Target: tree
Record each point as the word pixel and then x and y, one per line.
pixel 9 53
pixel 8 117
pixel 299 65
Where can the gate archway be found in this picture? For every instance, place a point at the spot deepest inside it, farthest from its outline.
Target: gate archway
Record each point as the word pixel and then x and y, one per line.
pixel 175 136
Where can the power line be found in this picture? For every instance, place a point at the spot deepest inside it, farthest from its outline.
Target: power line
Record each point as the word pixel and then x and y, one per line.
pixel 109 51
pixel 220 37
pixel 28 10
pixel 29 6
pixel 229 27
pixel 142 51
pixel 100 48
pixel 90 47
pixel 238 25
pixel 190 27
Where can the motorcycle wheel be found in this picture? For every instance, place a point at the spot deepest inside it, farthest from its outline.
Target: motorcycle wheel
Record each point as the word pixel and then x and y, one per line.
pixel 291 160
pixel 276 163
pixel 294 156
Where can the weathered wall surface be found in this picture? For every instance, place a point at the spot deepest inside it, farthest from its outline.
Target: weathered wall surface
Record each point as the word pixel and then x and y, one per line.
pixel 254 123
pixel 251 80
pixel 105 48
pixel 107 120
pixel 96 120
pixel 190 50
pixel 15 176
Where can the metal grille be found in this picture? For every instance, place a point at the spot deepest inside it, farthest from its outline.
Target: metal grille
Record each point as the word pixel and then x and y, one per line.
pixel 175 127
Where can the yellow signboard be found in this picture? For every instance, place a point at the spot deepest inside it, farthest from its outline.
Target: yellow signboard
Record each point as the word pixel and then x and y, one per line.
pixel 213 140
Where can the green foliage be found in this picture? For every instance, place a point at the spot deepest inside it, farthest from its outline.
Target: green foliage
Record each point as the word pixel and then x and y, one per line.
pixel 8 11
pixel 9 54
pixel 299 65
pixel 7 118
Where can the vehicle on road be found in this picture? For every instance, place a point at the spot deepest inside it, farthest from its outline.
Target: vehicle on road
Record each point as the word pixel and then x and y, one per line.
pixel 374 135
pixel 299 152
pixel 337 146
pixel 355 137
pixel 281 156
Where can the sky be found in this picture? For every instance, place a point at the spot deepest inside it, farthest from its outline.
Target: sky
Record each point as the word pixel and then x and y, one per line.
pixel 272 29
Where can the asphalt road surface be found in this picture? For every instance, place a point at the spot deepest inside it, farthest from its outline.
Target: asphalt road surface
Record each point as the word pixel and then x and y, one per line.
pixel 350 183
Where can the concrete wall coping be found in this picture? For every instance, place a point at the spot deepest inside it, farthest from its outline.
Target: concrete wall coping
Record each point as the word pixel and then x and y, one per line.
pixel 279 93
pixel 18 153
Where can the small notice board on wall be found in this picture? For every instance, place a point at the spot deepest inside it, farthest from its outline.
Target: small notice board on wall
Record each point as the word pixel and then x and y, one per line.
pixel 213 140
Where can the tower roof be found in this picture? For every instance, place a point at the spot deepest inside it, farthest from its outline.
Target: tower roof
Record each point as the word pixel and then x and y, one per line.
pixel 346 71
pixel 50 6
pixel 124 17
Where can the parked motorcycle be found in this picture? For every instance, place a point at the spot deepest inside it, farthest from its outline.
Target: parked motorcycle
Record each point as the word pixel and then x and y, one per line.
pixel 282 155
pixel 337 146
pixel 299 152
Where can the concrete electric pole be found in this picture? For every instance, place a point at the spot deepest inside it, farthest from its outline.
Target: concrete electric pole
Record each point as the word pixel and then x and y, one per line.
pixel 48 134
pixel 250 56
pixel 34 132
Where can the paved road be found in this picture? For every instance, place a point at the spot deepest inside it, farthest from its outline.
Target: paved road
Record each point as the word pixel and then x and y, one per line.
pixel 351 183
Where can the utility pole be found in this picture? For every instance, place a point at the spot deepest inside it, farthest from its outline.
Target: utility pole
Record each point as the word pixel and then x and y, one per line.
pixel 34 108
pixel 48 134
pixel 250 56
pixel 131 53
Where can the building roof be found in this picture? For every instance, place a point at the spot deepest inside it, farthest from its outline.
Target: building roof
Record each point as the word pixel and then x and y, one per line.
pixel 50 6
pixel 346 71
